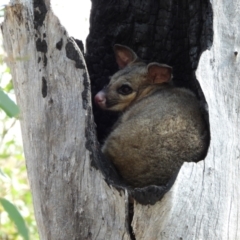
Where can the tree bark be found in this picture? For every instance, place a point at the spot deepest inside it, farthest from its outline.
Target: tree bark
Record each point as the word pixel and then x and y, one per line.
pixel 166 31
pixel 71 198
pixel 203 204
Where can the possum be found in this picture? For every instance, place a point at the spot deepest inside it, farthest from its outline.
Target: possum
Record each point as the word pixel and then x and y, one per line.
pixel 161 126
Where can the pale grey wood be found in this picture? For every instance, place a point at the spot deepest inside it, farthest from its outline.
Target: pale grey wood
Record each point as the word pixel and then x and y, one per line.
pixel 204 202
pixel 71 198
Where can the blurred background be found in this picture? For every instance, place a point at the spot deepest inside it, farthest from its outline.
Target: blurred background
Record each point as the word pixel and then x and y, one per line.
pixel 16 210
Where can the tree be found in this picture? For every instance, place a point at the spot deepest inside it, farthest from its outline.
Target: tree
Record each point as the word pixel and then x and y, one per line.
pixel 13 176
pixel 72 199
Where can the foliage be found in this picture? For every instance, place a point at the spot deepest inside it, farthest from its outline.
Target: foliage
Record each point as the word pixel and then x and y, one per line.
pixel 7 105
pixel 16 217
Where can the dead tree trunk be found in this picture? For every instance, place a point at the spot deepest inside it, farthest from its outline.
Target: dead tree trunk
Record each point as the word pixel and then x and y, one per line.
pixel 71 197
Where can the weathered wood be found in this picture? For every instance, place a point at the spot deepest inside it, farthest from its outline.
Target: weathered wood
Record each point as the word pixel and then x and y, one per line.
pixel 203 204
pixel 71 198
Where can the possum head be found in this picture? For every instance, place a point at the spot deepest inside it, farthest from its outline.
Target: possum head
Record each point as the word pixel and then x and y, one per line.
pixel 132 82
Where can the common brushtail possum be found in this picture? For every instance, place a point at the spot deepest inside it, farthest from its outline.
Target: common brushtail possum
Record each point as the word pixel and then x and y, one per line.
pixel 161 125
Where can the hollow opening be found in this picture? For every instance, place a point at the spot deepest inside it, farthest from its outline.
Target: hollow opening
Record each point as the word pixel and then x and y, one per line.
pixel 172 32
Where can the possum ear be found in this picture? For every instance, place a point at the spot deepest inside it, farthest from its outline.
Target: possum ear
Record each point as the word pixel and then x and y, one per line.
pixel 124 55
pixel 159 73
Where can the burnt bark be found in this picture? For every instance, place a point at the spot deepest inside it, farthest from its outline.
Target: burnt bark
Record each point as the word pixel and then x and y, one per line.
pixel 72 200
pixel 170 32
pixel 174 32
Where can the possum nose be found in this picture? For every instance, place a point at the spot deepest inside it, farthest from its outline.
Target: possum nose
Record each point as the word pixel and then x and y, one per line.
pixel 100 99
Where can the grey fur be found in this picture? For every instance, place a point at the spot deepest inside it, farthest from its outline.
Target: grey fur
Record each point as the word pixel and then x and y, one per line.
pixel 161 127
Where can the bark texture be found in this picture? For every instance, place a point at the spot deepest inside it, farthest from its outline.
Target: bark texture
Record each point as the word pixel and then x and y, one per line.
pixel 172 32
pixel 203 204
pixel 71 198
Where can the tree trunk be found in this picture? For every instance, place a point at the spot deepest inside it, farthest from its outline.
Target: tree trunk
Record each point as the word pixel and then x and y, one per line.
pixel 72 200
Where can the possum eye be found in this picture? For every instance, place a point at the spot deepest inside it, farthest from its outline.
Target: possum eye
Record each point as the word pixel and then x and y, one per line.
pixel 125 90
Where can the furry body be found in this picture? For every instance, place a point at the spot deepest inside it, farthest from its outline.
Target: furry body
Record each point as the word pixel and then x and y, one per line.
pixel 161 127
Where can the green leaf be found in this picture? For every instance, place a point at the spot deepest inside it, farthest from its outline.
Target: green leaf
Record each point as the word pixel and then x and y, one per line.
pixel 16 217
pixel 8 106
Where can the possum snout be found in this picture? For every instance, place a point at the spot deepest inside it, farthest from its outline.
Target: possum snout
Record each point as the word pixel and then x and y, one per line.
pixel 100 99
